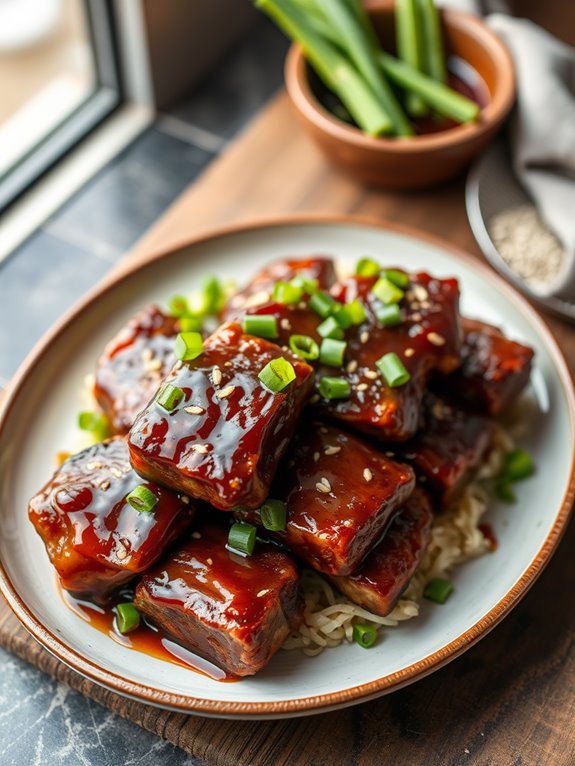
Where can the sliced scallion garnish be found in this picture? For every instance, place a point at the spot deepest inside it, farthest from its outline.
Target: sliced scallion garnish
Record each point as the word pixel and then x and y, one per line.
pixel 518 465
pixel 242 538
pixel 398 278
pixel 386 291
pixel 127 618
pixel 277 374
pixel 169 397
pixel 438 590
pixel 304 347
pixel 188 346
pixel 308 285
pixel 261 325
pixel 334 388
pixel 367 267
pixel 389 315
pixel 273 514
pixel 393 370
pixel 330 328
pixel 356 311
pixel 96 423
pixel 178 306
pixel 364 635
pixel 142 499
pixel 287 293
pixel 332 352
pixel 322 304
pixel 190 324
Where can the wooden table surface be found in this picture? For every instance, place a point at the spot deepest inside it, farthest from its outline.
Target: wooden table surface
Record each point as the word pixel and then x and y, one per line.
pixel 508 700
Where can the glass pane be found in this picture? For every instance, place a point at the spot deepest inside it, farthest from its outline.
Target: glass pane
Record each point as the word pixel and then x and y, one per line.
pixel 46 71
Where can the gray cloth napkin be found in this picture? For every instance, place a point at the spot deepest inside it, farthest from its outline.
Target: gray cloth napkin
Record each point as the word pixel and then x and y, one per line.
pixel 542 125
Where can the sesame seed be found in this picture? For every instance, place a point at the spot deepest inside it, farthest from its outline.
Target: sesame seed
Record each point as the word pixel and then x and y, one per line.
pixel 420 292
pixel 178 365
pixel 389 454
pixel 361 387
pixel 364 337
pixel 185 499
pixel 352 366
pixel 116 472
pixel 94 466
pixel 367 474
pixel 301 305
pixel 263 592
pixel 256 299
pixel 196 535
pixel 285 324
pixel 426 305
pixel 225 392
pixel 436 339
pixel 227 363
pixel 209 562
pixel 104 485
pixel 147 354
pixel 121 552
pixel 322 488
pixel 153 365
pixel 194 409
pixel 322 430
pixel 371 374
pixel 216 376
pixel 331 450
pixel 201 448
pixel 409 352
pixel 316 456
pixel 416 317
pixel 315 399
pixel 325 482
pixel 285 348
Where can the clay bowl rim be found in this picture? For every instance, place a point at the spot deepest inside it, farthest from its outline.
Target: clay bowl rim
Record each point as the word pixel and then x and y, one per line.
pixel 499 105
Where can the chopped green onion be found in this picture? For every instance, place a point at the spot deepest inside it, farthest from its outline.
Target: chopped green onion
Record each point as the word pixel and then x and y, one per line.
pixel 189 345
pixel 277 374
pixel 518 465
pixel 304 347
pixel 504 491
pixel 190 324
pixel 322 304
pixel 178 306
pixel 214 295
pixel 242 538
pixel 367 267
pixel 273 514
pixel 398 278
pixel 393 370
pixel 169 397
pixel 142 499
pixel 306 284
pixel 334 388
pixel 356 311
pixel 287 293
pixel 364 635
pixel 332 352
pixel 386 291
pixel 330 328
pixel 95 423
pixel 261 325
pixel 388 315
pixel 438 590
pixel 342 317
pixel 127 618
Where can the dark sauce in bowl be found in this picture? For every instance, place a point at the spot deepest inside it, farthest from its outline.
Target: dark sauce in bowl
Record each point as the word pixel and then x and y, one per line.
pixel 462 77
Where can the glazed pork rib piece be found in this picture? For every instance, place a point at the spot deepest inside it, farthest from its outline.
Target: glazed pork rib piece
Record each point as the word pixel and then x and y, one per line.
pixel 133 364
pixel 448 448
pixel 220 433
pixel 427 339
pixel 341 494
pixel 234 611
pixel 260 288
pixel 494 369
pixel 386 572
pixel 95 538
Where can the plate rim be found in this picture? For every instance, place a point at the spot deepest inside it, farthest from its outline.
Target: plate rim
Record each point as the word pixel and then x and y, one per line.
pixel 353 695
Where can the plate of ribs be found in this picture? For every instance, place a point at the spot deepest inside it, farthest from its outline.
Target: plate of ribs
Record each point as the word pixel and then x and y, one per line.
pixel 285 468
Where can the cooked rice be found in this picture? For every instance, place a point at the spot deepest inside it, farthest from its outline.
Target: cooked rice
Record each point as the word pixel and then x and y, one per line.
pixel 455 537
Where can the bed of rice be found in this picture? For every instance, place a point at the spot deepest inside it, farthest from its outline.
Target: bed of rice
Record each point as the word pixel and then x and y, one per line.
pixel 455 538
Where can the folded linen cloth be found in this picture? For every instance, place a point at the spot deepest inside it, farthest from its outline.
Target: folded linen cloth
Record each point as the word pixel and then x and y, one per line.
pixel 542 130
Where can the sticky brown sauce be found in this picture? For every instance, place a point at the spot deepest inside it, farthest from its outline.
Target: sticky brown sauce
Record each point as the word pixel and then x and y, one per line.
pixel 146 638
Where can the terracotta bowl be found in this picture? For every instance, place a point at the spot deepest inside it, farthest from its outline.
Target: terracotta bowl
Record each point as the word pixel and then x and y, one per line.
pixel 400 163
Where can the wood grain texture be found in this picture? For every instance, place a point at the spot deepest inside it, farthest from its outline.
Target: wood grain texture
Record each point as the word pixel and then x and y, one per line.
pixel 510 699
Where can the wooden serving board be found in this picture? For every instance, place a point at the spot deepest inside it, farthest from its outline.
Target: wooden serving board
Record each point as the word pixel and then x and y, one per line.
pixel 510 699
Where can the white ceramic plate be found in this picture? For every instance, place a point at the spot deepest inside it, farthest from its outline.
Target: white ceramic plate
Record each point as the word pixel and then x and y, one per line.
pixel 39 419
